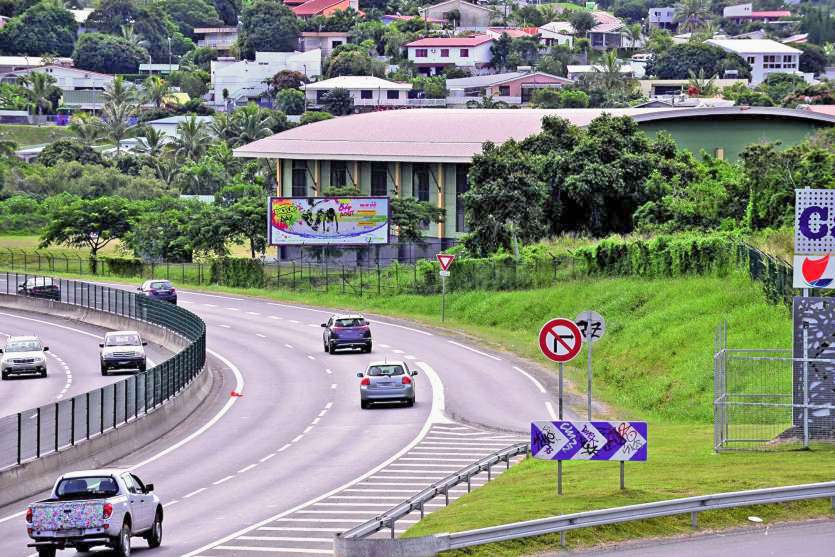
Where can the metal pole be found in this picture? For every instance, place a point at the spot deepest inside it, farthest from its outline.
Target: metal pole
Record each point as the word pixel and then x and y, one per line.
pixel 19 435
pixel 72 421
pixel 622 469
pixel 56 427
pixel 559 462
pixel 805 386
pixel 443 299
pixel 561 389
pixel 589 340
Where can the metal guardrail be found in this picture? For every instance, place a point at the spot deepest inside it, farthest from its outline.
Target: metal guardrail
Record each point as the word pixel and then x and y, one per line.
pixel 34 433
pixel 416 502
pixel 430 545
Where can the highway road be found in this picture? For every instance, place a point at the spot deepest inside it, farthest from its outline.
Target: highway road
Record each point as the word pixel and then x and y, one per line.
pixel 288 457
pixel 73 368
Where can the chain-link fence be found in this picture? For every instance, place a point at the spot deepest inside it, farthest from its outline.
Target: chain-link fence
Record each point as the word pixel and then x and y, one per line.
pixel 774 274
pixel 761 399
pixel 40 431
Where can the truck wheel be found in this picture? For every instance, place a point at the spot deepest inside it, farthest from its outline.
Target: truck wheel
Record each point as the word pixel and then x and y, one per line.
pixel 154 537
pixel 103 369
pixel 3 376
pixel 46 552
pixel 327 348
pixel 43 373
pixel 142 367
pixel 82 548
pixel 122 543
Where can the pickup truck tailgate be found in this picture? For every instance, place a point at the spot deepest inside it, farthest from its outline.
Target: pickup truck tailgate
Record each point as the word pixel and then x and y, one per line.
pixel 67 515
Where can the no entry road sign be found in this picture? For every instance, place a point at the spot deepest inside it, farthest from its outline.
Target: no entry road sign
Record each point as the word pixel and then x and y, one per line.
pixel 560 340
pixel 562 440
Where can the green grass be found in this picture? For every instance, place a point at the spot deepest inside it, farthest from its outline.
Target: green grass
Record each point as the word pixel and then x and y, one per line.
pixel 32 135
pixel 29 243
pixel 680 464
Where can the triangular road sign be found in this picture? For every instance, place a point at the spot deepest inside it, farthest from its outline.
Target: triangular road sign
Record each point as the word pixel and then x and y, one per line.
pixel 445 260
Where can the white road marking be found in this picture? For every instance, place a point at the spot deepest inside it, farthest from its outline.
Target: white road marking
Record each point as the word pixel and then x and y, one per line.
pixel 275 549
pixel 333 385
pixel 550 408
pixel 266 458
pixel 296 438
pixel 532 378
pixel 233 309
pixel 220 481
pixel 328 406
pixel 277 318
pixel 210 305
pixel 259 335
pixel 398 351
pixel 381 345
pixel 465 347
pixel 410 357
pixel 309 357
pixel 329 371
pixel 294 321
pixel 252 313
pixel 195 492
pixel 225 326
pixel 284 448
pixel 290 346
pixel 51 324
pixel 168 504
pixel 247 468
pixel 284 539
pixel 307 430
pixel 316 420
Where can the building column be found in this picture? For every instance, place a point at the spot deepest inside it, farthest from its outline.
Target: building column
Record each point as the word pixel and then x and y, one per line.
pixel 317 177
pixel 398 182
pixel 441 197
pixel 279 182
pixel 357 176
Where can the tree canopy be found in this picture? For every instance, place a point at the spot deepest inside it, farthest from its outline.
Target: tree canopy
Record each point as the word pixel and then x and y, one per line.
pixel 268 25
pixel 677 61
pixel 42 29
pixel 107 54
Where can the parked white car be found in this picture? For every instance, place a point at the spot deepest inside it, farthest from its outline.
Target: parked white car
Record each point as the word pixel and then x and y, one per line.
pixel 95 508
pixel 23 356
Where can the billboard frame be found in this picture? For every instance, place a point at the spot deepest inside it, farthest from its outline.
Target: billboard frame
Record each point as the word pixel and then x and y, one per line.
pixel 326 245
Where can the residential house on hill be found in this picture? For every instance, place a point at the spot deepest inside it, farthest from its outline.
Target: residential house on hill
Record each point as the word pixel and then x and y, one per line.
pixel 221 39
pixel 608 33
pixel 557 33
pixel 324 40
pixel 367 92
pixel 663 18
pixel 575 72
pixel 764 56
pixel 511 87
pixel 12 63
pixel 388 19
pixel 741 13
pixel 312 8
pixel 432 55
pixel 66 79
pixel 512 32
pixel 467 14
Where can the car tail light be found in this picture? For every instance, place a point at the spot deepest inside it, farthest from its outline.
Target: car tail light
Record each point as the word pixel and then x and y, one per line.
pixel 365 381
pixel 407 380
pixel 108 510
pixel 173 290
pixel 29 515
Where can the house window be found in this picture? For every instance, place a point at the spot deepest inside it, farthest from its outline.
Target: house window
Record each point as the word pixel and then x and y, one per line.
pixel 299 178
pixel 420 182
pixel 335 44
pixel 444 53
pixel 789 62
pixel 461 187
pixel 504 90
pixel 771 62
pixel 392 95
pixel 366 94
pixel 751 60
pixel 320 95
pixel 379 179
pixel 338 171
pixel 465 53
pixel 421 52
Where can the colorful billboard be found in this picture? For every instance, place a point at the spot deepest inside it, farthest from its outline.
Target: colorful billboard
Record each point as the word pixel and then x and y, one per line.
pixel 314 221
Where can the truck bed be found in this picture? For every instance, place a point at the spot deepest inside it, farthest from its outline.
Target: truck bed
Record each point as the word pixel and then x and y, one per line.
pixel 67 516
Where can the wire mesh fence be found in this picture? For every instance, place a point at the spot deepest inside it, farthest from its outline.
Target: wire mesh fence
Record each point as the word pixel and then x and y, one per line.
pixel 774 274
pixel 47 429
pixel 761 399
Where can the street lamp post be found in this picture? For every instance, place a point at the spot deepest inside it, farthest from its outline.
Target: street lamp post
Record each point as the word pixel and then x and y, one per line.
pixel 169 55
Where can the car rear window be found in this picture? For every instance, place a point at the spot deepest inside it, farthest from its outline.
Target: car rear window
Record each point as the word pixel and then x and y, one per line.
pixel 161 285
pixel 23 346
pixel 354 322
pixel 92 487
pixel 122 340
pixel 33 282
pixel 385 370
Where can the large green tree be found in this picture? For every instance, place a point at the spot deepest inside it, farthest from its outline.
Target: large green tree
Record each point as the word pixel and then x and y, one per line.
pixel 268 25
pixel 68 150
pixel 677 61
pixel 108 54
pixel 188 14
pixel 42 29
pixel 245 222
pixel 91 223
pixel 228 11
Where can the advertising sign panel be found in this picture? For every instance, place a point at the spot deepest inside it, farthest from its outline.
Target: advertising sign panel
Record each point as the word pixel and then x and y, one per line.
pixel 315 221
pixel 814 222
pixel 565 440
pixel 814 271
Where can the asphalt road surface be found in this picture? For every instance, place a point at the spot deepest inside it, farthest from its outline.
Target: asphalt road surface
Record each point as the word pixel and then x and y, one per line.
pixel 297 439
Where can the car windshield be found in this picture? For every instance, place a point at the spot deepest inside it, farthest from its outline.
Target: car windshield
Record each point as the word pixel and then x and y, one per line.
pixel 385 370
pixel 123 340
pixel 92 487
pixel 32 282
pixel 160 285
pixel 23 346
pixel 350 322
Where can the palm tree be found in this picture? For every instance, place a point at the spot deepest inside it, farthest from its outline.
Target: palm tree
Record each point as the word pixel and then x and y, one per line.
pixel 168 169
pixel 40 87
pixel 223 126
pixel 549 13
pixel 86 128
pixel 251 124
pixel 608 70
pixel 152 142
pixel 692 14
pixel 486 102
pixel 192 138
pixel 156 90
pixel 634 33
pixel 116 118
pixel 119 92
pixel 133 37
pixel 701 85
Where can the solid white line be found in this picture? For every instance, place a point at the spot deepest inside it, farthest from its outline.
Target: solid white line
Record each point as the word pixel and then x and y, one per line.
pixel 317 520
pixel 465 347
pixel 435 414
pixel 284 448
pixel 297 438
pixel 168 504
pixel 210 305
pixel 398 351
pixel 209 295
pixel 550 408
pixel 294 321
pixel 381 345
pixel 195 492
pixel 247 468
pixel 297 529
pixel 532 378
pixel 266 458
pixel 220 481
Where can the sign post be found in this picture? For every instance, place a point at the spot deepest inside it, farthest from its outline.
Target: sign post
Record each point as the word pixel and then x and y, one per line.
pixel 593 327
pixel 560 340
pixel 445 260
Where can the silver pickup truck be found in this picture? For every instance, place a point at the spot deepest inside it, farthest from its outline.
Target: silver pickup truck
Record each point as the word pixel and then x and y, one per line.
pixel 92 508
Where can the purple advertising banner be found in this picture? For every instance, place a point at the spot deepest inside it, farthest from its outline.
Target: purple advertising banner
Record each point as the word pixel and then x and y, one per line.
pixel 564 440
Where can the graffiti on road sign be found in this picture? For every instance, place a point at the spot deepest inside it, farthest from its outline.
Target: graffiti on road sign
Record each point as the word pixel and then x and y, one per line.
pixel 565 440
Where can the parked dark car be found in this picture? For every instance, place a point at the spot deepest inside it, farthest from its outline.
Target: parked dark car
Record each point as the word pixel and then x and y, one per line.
pixel 346 331
pixel 159 290
pixel 40 287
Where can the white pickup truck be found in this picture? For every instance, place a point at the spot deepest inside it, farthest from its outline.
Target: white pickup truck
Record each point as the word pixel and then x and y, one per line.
pixel 95 507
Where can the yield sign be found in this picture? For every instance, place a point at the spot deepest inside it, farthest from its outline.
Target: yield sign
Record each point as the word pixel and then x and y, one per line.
pixel 445 260
pixel 560 340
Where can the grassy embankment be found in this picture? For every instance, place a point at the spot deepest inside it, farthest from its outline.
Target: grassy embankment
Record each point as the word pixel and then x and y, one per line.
pixel 32 135
pixel 29 243
pixel 654 364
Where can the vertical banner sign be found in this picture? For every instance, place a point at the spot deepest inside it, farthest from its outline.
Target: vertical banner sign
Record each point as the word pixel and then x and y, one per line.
pixel 444 260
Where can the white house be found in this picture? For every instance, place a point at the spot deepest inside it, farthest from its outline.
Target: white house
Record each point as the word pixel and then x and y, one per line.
pixel 324 40
pixel 663 18
pixel 575 72
pixel 168 126
pixel 557 33
pixel 763 55
pixel 366 91
pixel 432 55
pixel 221 39
pixel 66 79
pixel 248 79
pixel 12 63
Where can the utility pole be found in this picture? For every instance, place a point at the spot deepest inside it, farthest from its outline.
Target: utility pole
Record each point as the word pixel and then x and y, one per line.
pixel 169 55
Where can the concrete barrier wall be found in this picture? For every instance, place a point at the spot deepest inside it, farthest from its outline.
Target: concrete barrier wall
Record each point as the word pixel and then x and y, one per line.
pixel 33 477
pixel 426 546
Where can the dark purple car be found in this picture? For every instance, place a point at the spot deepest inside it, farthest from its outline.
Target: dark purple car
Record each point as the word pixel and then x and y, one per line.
pixel 159 290
pixel 346 331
